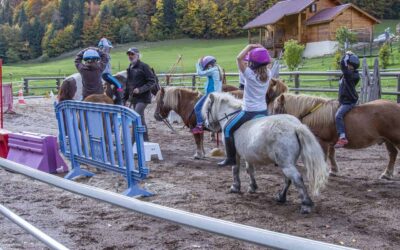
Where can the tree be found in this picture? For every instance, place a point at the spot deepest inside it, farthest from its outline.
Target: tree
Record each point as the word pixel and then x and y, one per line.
pixel 35 38
pixel 62 42
pixel 384 55
pixel 22 18
pixel 126 34
pixel 201 19
pixel 78 22
pixel 6 14
pixel 12 56
pixel 90 33
pixel 343 36
pixel 65 12
pixel 293 54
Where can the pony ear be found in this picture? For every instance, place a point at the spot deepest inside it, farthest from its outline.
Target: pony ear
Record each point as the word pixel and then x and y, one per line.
pixel 162 90
pixel 281 99
pixel 212 97
pixel 274 81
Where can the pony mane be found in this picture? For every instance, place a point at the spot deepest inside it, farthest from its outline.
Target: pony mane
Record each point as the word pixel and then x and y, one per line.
pixel 122 73
pixel 173 94
pixel 299 105
pixel 221 97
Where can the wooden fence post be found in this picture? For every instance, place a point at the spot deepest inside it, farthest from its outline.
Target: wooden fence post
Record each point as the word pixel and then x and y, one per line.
pixel 58 83
pixel 193 82
pixel 296 82
pixel 398 88
pixel 26 86
pixel 168 79
pixel 377 89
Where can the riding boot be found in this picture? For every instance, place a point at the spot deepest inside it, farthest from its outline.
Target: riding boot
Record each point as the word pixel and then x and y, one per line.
pixel 230 153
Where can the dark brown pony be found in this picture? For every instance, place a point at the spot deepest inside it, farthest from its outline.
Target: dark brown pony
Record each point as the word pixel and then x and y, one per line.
pixel 368 124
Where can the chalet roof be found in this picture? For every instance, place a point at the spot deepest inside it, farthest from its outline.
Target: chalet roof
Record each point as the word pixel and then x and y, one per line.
pixel 327 15
pixel 290 7
pixel 278 11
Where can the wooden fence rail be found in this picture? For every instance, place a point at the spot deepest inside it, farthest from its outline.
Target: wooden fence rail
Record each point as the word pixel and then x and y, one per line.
pixel 191 80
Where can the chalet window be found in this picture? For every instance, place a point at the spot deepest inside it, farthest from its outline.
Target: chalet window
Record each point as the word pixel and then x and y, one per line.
pixel 313 8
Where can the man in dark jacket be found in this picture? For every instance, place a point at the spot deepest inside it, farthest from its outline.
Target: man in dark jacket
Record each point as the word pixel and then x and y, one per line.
pixel 91 70
pixel 348 96
pixel 140 80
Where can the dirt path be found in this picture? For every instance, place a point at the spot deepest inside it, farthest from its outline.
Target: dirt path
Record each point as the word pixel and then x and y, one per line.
pixel 356 209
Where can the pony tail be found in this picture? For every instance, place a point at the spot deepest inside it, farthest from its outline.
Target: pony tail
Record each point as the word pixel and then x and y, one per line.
pixel 313 159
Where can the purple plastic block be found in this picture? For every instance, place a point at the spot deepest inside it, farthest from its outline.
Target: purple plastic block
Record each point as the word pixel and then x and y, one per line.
pixel 37 151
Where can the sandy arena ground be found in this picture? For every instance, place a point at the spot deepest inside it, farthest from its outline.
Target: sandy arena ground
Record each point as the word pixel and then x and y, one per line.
pixel 356 209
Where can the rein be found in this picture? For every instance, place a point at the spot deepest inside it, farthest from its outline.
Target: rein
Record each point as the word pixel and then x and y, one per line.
pixel 229 115
pixel 312 110
pixel 226 116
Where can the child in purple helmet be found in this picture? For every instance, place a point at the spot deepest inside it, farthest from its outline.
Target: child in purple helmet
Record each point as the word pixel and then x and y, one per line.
pixel 256 81
pixel 207 66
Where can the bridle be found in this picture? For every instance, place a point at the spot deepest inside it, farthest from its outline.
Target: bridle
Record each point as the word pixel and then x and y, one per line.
pixel 164 120
pixel 214 124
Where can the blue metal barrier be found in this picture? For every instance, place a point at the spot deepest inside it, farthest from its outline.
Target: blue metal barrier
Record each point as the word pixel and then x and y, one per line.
pixel 100 135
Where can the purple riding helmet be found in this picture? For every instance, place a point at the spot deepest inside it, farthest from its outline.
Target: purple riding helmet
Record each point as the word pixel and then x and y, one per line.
pixel 258 57
pixel 207 60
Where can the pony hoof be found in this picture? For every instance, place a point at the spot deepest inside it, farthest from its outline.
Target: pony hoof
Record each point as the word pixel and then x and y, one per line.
pixel 234 189
pixel 252 189
pixel 331 173
pixel 305 209
pixel 279 198
pixel 196 157
pixel 386 176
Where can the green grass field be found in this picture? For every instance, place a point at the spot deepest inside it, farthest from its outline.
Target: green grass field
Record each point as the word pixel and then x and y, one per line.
pixel 162 55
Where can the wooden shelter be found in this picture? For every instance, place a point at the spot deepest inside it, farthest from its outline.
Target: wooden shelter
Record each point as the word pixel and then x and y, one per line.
pixel 308 21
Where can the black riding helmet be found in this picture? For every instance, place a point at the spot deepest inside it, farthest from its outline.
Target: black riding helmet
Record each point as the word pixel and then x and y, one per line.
pixel 354 61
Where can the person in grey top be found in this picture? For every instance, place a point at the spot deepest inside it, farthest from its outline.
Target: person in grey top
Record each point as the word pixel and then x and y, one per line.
pixel 91 63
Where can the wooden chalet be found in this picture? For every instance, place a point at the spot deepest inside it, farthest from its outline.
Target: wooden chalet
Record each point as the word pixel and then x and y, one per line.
pixel 308 21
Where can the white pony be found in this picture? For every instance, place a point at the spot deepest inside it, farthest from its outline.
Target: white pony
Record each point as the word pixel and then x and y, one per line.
pixel 278 139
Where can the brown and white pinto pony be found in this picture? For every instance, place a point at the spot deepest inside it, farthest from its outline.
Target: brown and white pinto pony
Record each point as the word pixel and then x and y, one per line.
pixel 368 124
pixel 71 89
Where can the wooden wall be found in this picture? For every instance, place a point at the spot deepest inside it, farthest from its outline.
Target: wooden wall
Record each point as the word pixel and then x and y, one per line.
pixel 352 19
pixel 320 32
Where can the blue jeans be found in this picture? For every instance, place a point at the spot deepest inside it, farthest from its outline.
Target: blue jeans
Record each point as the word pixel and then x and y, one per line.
pixel 238 120
pixel 197 109
pixel 339 117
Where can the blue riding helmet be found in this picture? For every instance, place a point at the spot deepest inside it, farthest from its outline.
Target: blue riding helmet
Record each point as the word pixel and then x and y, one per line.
pixel 91 55
pixel 104 42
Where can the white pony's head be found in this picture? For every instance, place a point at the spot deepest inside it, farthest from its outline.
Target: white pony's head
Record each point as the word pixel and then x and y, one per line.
pixel 218 108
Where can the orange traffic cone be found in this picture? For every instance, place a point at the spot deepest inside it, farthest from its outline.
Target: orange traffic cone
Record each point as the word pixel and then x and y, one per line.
pixel 21 99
